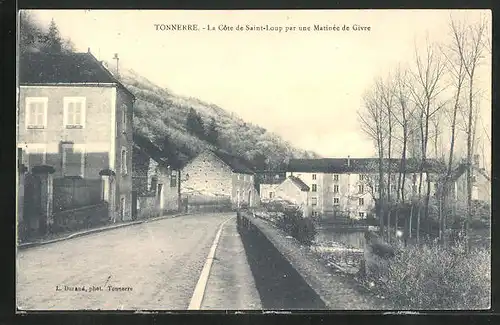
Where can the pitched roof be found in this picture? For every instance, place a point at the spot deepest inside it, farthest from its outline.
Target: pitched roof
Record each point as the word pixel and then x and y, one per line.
pixel 64 68
pixel 353 165
pixel 299 183
pixel 150 149
pixel 457 172
pixel 462 168
pixel 483 172
pixel 237 164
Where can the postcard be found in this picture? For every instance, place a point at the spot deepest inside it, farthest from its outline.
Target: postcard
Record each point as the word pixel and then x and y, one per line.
pixel 277 160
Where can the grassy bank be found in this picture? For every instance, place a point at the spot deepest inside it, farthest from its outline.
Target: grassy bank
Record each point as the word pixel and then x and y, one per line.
pixel 432 277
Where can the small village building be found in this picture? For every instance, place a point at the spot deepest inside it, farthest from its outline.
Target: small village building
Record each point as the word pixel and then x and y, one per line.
pixel 267 182
pixel 295 191
pixel 75 117
pixel 156 186
pixel 219 180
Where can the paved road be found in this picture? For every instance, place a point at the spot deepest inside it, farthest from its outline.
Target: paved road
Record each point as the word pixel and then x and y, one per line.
pixel 148 266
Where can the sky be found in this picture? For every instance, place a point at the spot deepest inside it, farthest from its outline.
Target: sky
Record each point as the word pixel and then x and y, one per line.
pixel 305 86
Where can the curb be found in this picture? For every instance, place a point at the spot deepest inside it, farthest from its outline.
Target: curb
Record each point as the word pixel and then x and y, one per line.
pixel 97 230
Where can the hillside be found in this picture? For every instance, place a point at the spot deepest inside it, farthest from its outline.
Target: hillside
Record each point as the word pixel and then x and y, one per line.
pixel 160 114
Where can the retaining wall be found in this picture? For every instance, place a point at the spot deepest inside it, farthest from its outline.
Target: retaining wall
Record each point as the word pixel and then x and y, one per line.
pixel 334 292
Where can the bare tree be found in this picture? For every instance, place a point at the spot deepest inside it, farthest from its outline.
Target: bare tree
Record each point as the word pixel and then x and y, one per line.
pixel 457 73
pixel 387 96
pixel 403 113
pixel 404 116
pixel 471 54
pixel 427 77
pixel 372 119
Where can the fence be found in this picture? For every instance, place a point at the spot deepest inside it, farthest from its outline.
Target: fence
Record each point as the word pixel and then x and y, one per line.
pixel 72 193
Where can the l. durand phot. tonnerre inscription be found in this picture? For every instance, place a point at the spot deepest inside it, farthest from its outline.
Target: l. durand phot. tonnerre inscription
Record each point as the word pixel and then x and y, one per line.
pixel 92 288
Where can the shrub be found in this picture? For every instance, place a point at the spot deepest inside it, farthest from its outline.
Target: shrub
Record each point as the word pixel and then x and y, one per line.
pixel 431 277
pixel 293 223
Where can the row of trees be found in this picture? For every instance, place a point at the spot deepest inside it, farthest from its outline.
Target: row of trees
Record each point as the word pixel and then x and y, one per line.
pixel 407 112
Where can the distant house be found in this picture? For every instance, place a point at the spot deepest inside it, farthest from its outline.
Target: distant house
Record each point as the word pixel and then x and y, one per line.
pixel 294 190
pixel 481 184
pixel 221 178
pixel 156 186
pixel 76 117
pixel 350 185
pixel 267 181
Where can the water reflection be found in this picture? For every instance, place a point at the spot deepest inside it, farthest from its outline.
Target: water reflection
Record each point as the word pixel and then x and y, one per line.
pixel 348 237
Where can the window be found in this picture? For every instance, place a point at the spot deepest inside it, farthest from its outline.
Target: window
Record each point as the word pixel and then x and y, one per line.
pixel 393 178
pixel 361 201
pixel 154 184
pixel 361 188
pixel 314 188
pixel 124 118
pixel 376 188
pixel 336 201
pixel 362 177
pixel 336 177
pixel 314 176
pixel 271 195
pixel 73 160
pixel 74 112
pixel 393 188
pixel 414 178
pixel 335 188
pixel 173 178
pixel 315 213
pixel 124 161
pixel 314 201
pixel 361 215
pixel 36 112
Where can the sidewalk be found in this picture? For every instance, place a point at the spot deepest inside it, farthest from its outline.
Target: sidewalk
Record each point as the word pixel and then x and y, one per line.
pixel 57 238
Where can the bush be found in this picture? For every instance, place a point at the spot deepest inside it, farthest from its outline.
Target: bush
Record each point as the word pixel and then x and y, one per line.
pixel 293 223
pixel 431 277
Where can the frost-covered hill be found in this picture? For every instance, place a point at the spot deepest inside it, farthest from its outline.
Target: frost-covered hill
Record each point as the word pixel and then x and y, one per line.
pixel 161 114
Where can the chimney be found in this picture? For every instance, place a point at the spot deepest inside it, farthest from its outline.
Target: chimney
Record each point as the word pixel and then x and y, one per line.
pixel 117 63
pixel 88 50
pixel 348 161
